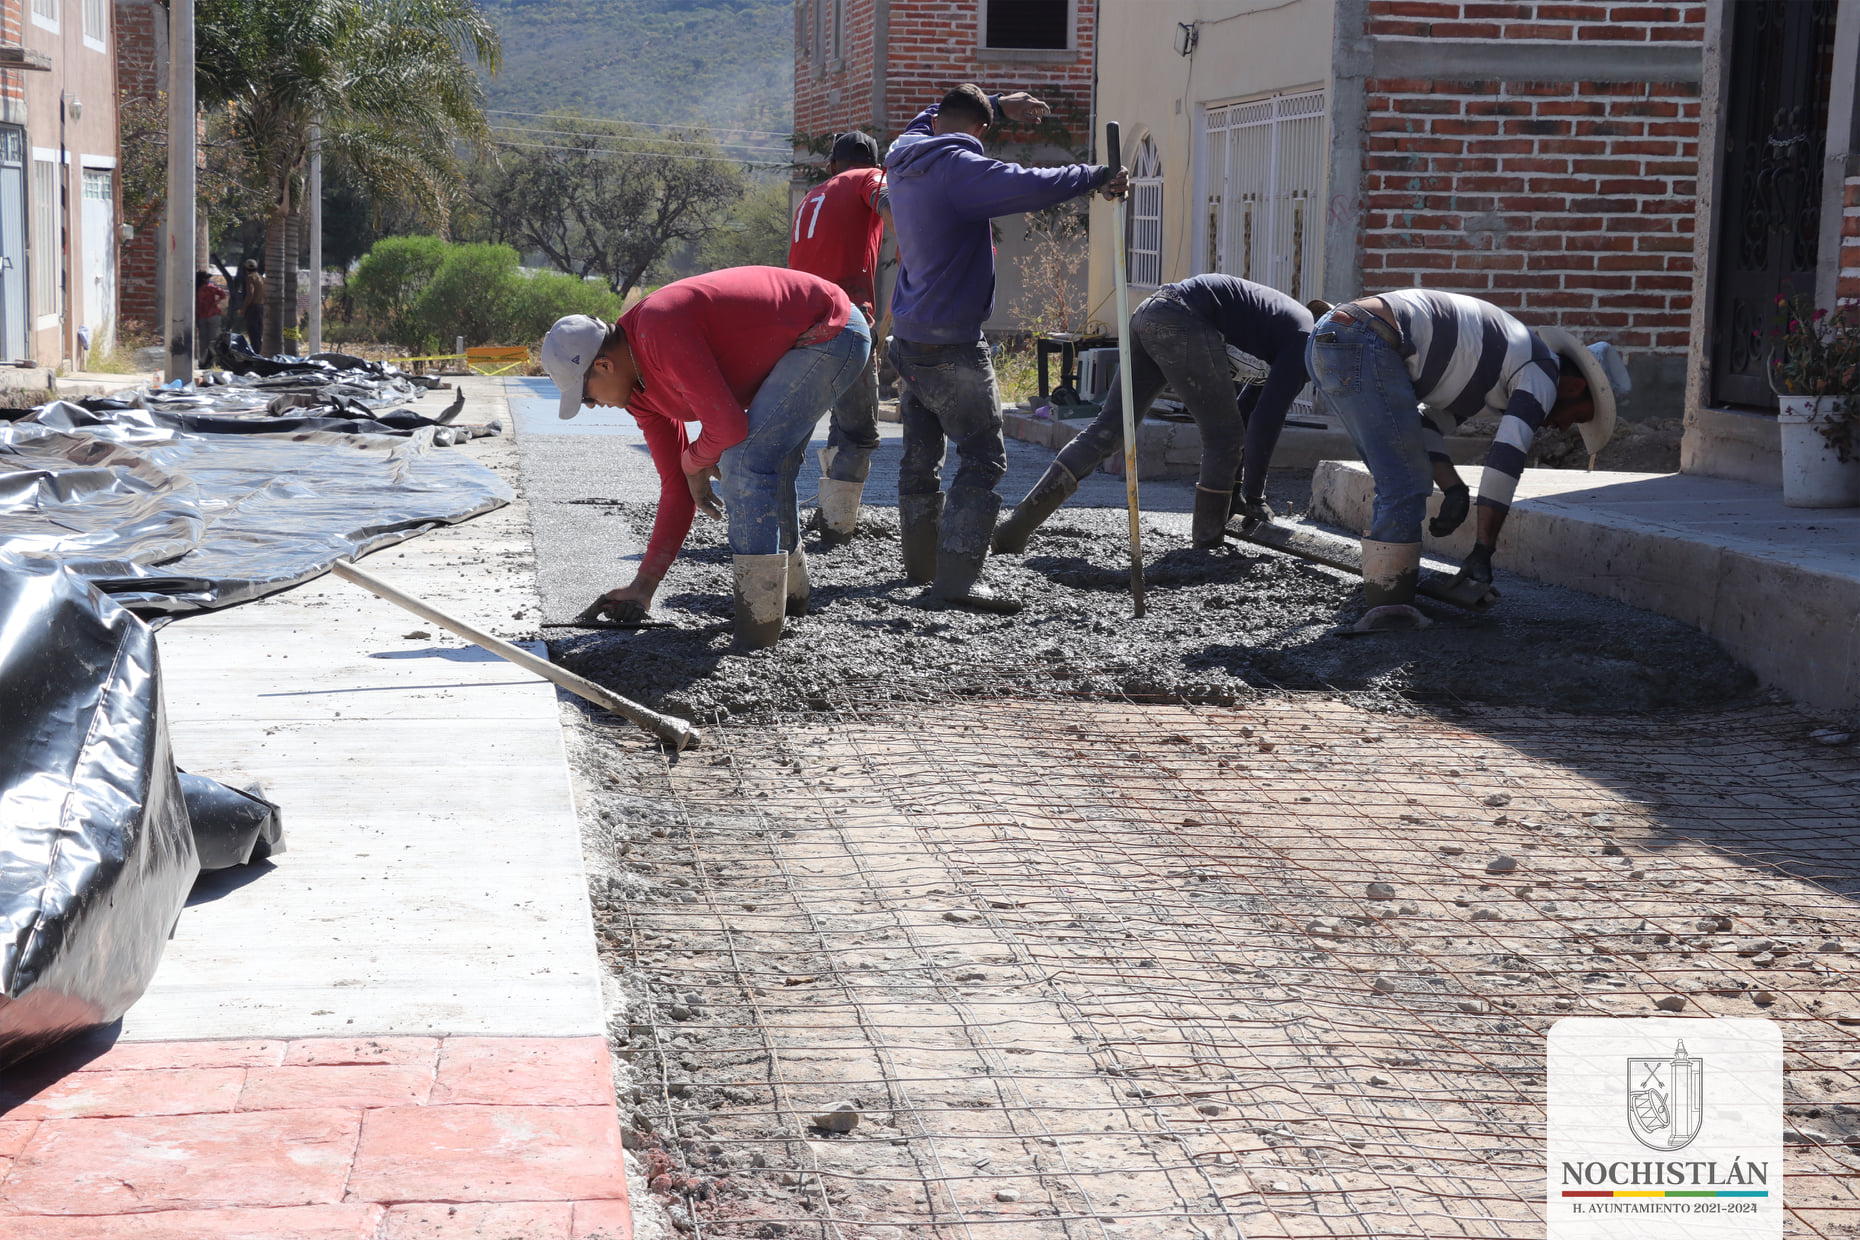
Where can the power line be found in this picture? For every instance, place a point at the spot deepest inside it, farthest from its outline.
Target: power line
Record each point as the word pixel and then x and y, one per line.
pixel 611 153
pixel 592 134
pixel 761 133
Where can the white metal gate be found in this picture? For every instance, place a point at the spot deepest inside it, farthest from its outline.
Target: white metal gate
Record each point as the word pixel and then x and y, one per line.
pixel 1263 165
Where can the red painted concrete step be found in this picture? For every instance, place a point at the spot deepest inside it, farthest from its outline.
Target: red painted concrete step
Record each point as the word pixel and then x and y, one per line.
pixel 344 1139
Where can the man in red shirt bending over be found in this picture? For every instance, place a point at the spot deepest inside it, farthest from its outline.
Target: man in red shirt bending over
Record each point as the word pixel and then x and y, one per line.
pixel 753 354
pixel 837 233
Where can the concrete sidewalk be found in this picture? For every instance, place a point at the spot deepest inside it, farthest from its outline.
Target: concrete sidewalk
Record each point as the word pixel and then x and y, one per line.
pixel 1777 587
pixel 394 1028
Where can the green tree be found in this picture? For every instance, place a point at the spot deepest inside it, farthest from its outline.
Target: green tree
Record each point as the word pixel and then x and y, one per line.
pixel 390 278
pixel 471 295
pixel 753 233
pixel 391 83
pixel 600 198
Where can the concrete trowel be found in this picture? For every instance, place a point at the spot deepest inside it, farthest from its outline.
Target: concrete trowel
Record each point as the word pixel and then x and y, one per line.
pixel 1345 555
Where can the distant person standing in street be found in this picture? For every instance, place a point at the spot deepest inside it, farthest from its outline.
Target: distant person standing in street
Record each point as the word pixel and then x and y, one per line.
pixel 944 192
pixel 254 287
pixel 837 233
pixel 209 306
pixel 751 354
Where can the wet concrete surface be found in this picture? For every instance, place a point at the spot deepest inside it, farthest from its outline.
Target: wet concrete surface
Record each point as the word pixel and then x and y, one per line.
pixel 1220 624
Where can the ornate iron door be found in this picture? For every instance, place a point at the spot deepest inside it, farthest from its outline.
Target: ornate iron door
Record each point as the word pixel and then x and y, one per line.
pixel 1775 136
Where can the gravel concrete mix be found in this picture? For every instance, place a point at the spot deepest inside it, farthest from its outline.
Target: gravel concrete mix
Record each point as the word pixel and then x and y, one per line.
pixel 1220 623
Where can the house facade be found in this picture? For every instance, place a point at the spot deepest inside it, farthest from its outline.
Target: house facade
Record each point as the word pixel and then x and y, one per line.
pixel 1543 156
pixel 60 197
pixel 875 64
pixel 1779 212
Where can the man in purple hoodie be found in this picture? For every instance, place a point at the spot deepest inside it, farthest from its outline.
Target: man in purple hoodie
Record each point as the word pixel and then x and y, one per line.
pixel 944 192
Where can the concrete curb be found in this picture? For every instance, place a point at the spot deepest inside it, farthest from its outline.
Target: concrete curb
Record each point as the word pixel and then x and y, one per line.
pixel 1778 588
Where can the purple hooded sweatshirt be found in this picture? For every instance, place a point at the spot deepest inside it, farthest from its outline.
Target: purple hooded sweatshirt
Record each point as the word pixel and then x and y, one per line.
pixel 943 193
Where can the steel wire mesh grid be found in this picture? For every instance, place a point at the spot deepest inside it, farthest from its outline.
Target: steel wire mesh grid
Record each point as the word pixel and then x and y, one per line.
pixel 1122 970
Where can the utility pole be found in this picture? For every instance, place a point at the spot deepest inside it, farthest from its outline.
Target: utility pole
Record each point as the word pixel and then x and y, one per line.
pixel 181 191
pixel 316 237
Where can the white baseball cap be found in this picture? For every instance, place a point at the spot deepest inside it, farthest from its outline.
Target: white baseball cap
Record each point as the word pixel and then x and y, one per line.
pixel 567 351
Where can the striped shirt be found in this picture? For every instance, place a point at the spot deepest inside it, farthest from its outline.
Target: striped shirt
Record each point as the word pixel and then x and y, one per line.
pixel 1467 357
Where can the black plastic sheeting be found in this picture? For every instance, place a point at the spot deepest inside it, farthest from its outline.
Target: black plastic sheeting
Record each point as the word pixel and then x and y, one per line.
pixel 231 827
pixel 97 851
pixel 167 501
pixel 170 521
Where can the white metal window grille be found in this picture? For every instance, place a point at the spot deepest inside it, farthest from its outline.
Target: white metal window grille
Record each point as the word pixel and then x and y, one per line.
pixel 97 186
pixel 1264 168
pixel 47 296
pixel 46 10
pixel 1143 252
pixel 96 20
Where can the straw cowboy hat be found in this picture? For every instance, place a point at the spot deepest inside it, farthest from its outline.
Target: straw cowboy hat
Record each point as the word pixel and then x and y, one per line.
pixel 1601 364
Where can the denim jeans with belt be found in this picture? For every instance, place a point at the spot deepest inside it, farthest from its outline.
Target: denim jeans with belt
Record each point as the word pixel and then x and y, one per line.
pixel 1364 380
pixel 1170 345
pixel 759 473
pixel 948 392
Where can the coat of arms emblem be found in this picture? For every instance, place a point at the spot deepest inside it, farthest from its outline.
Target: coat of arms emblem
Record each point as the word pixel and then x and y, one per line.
pixel 1665 1099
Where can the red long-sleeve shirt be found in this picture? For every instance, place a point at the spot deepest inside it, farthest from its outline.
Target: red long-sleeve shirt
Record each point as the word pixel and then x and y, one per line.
pixel 838 232
pixel 703 346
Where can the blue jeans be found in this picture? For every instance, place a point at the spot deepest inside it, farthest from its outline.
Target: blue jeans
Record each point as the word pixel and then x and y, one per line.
pixel 854 433
pixel 1363 379
pixel 948 393
pixel 759 473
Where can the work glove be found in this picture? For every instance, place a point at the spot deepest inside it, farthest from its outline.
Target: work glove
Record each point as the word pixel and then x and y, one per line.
pixel 1453 509
pixel 1478 566
pixel 616 611
pixel 1253 513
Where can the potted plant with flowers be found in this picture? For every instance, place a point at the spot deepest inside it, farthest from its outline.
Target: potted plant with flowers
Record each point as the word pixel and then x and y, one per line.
pixel 1815 371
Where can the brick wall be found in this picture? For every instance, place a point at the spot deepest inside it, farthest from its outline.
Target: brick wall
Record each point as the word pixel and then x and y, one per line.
pixel 138 76
pixel 1567 202
pixel 12 16
pixel 1849 287
pixel 931 46
pixel 1537 19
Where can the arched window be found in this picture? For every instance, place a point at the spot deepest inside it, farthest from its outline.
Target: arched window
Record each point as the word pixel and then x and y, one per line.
pixel 1144 244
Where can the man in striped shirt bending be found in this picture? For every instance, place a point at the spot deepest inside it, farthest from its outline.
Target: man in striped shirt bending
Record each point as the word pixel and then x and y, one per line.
pixel 1375 359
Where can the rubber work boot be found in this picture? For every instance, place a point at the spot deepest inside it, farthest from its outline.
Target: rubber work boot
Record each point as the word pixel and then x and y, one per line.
pixel 920 518
pixel 963 551
pixel 1054 488
pixel 1390 572
pixel 1212 508
pixel 799 587
pixel 761 599
pixel 838 514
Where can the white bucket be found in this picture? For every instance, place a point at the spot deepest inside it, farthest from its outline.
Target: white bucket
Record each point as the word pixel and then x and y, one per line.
pixel 1814 476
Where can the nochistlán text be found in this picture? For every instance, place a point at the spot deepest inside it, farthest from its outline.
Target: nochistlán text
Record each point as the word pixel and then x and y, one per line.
pixel 1656 1174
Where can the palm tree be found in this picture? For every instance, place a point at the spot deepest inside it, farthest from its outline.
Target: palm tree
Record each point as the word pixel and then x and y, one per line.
pixel 391 83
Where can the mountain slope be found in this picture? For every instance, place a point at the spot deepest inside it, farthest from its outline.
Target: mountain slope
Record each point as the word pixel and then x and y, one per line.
pixel 727 64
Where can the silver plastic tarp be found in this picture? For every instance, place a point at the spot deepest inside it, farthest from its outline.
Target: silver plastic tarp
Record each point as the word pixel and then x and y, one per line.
pixel 96 849
pixel 169 522
pixel 174 502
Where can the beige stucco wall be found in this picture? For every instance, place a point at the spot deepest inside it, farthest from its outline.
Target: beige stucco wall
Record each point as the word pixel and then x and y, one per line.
pixel 1247 49
pixel 86 73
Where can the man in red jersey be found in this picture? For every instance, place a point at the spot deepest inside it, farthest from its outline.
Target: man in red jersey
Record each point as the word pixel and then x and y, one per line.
pixel 837 233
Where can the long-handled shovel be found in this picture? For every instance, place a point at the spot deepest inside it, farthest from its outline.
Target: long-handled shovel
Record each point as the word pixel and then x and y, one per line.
pixel 673 731
pixel 1120 211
